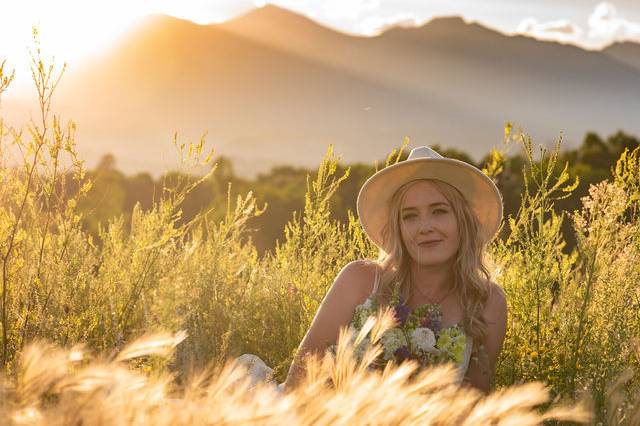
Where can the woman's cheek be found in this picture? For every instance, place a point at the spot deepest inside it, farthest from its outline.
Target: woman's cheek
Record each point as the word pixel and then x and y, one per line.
pixel 407 232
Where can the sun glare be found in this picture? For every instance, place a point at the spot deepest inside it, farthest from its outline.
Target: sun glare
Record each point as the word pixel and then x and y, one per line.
pixel 69 30
pixel 76 30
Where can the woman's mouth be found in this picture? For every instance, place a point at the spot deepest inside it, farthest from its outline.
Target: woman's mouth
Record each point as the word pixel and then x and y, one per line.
pixel 429 243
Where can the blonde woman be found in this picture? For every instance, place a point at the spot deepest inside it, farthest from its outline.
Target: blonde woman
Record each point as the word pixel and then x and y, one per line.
pixel 431 217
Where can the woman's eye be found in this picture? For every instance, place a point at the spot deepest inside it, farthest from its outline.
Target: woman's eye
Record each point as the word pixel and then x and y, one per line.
pixel 439 211
pixel 408 216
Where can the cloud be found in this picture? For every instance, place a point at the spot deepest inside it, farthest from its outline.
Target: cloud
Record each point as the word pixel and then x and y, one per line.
pixel 348 9
pixel 605 25
pixel 333 10
pixel 560 30
pixel 374 25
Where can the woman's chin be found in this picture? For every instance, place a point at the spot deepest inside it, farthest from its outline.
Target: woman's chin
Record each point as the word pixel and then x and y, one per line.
pixel 431 261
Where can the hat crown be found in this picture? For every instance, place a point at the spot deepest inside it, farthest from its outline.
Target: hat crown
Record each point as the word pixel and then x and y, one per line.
pixel 423 152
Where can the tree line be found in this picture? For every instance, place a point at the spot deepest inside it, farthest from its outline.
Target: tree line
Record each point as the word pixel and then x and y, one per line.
pixel 283 188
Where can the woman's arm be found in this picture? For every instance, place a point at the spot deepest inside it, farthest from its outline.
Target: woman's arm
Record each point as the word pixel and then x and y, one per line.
pixel 496 316
pixel 350 288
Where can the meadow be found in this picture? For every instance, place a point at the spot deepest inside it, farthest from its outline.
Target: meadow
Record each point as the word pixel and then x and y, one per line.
pixel 574 316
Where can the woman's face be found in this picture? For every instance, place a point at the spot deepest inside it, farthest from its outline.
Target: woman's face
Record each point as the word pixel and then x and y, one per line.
pixel 428 225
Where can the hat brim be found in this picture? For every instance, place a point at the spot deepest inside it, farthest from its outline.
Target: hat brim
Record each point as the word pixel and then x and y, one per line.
pixel 478 189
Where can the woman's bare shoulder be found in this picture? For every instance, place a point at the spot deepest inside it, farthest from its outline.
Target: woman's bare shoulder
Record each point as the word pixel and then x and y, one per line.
pixel 496 293
pixel 357 278
pixel 496 308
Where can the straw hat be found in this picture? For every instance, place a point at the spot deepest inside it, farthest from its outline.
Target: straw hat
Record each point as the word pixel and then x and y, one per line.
pixel 424 163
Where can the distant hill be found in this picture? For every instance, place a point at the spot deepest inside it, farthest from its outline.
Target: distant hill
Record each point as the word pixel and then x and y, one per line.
pixel 627 53
pixel 274 87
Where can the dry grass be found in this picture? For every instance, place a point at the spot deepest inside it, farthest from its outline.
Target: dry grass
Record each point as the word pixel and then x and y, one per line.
pixel 63 387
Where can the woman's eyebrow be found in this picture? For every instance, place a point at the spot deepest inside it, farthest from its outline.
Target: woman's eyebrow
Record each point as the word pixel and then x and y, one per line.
pixel 438 203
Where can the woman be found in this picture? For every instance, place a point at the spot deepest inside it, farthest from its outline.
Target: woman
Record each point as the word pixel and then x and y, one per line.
pixel 431 217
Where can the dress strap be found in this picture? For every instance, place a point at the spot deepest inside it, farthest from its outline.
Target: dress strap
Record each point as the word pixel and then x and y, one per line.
pixel 376 281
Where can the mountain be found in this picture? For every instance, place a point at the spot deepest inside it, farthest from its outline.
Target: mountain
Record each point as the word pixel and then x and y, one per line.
pixel 627 53
pixel 274 87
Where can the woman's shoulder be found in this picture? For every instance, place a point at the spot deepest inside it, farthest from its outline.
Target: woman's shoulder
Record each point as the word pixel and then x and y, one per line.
pixel 357 277
pixel 496 308
pixel 496 294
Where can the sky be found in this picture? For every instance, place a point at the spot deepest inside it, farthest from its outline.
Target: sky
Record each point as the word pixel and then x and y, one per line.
pixel 74 30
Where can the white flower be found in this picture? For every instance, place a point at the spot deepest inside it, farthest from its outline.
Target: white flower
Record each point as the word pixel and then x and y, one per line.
pixel 367 304
pixel 392 340
pixel 423 338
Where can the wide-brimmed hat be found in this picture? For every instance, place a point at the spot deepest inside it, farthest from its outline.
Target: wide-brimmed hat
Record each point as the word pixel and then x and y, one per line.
pixel 424 163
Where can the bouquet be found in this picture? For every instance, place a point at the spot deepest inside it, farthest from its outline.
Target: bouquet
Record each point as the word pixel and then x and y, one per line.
pixel 418 335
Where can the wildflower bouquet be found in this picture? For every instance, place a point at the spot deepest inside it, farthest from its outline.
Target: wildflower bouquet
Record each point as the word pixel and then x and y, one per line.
pixel 418 335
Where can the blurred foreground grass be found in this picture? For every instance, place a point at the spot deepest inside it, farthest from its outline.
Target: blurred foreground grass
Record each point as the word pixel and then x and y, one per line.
pixel 56 387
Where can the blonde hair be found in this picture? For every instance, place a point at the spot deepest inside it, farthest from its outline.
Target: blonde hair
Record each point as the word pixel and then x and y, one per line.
pixel 471 277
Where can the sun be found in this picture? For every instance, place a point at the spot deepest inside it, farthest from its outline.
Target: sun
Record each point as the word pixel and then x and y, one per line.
pixel 68 30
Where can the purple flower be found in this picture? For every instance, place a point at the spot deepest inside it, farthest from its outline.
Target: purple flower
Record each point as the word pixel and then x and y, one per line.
pixel 402 313
pixel 402 354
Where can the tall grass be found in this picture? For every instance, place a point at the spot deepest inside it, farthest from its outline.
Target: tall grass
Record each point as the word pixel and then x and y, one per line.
pixel 573 316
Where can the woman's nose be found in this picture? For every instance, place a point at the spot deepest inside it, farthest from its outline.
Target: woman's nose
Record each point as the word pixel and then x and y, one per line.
pixel 426 225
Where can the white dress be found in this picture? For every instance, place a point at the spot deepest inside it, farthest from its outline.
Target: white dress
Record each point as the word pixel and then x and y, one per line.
pixel 466 357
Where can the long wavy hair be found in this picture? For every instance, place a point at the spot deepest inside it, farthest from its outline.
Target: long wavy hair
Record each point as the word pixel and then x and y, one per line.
pixel 471 277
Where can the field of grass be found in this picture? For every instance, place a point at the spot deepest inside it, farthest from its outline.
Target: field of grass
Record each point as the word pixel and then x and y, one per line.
pixel 574 317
